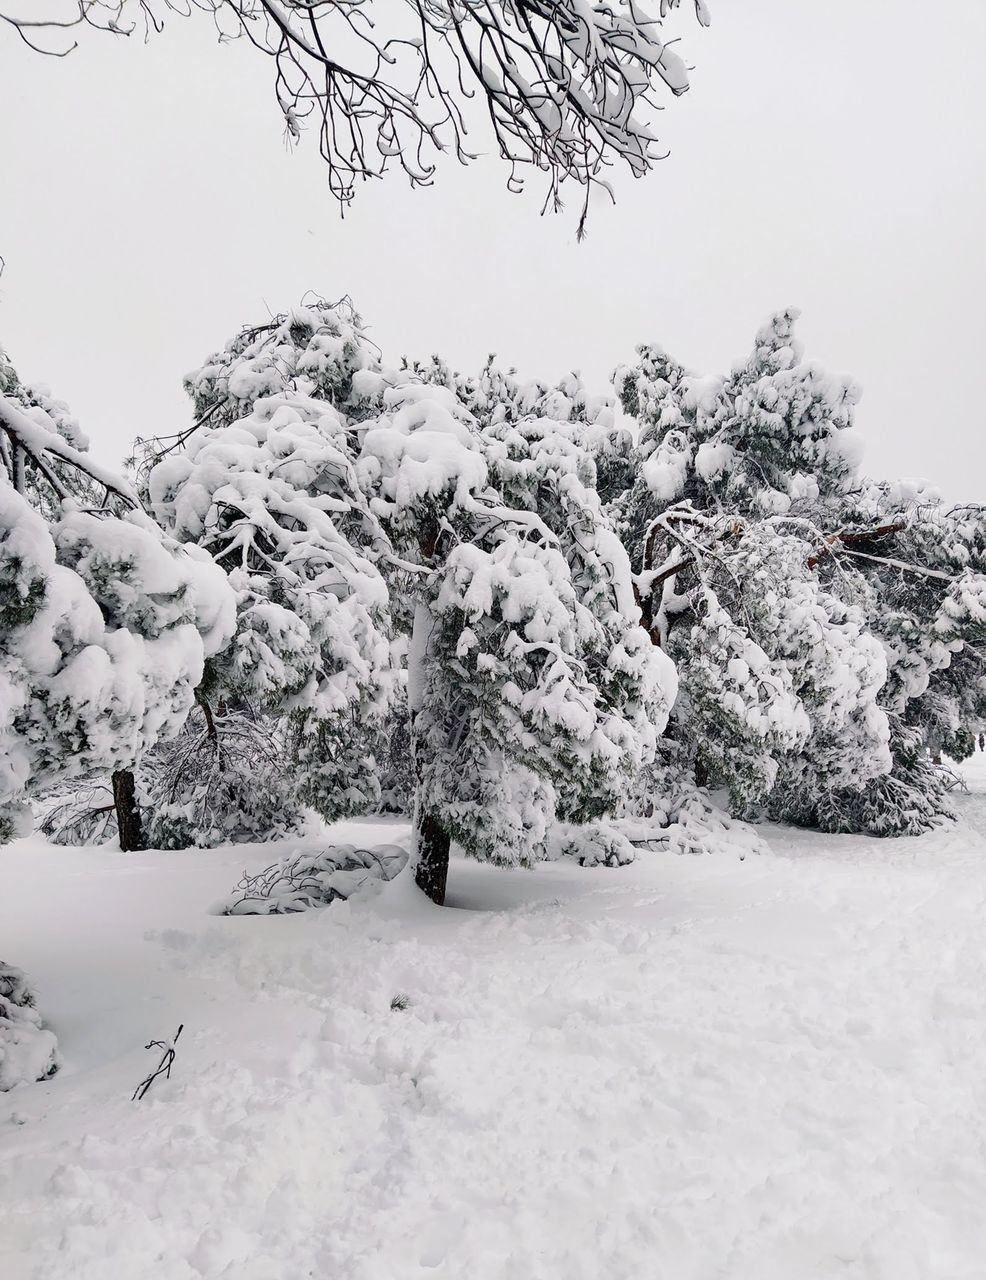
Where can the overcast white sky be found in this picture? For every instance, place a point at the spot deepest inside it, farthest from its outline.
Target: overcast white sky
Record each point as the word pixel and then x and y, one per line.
pixel 830 155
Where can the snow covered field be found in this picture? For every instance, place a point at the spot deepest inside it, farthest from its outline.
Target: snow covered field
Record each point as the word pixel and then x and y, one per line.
pixel 691 1068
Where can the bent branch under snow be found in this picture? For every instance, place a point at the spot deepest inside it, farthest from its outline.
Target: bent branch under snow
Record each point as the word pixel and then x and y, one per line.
pixel 34 443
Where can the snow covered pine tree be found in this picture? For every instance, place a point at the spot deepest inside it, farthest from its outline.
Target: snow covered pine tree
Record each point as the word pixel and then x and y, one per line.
pixel 798 648
pixel 735 478
pixel 923 564
pixel 534 693
pixel 265 483
pixel 351 502
pixel 104 625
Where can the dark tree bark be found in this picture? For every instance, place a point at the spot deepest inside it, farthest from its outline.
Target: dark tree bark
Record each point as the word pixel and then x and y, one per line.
pixel 701 772
pixel 431 870
pixel 127 812
pixel 431 839
pixel 210 724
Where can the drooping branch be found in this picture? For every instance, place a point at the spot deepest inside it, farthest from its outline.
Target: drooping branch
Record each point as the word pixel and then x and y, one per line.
pixel 33 442
pixel 845 541
pixel 904 567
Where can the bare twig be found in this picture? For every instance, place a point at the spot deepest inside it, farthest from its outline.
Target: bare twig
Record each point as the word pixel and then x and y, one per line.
pixel 167 1048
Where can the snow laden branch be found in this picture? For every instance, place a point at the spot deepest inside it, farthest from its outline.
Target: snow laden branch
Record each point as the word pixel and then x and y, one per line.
pixel 567 87
pixel 29 439
pixel 848 538
pixel 691 551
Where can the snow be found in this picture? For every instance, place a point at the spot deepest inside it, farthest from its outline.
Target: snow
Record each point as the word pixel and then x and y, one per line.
pixel 697 1068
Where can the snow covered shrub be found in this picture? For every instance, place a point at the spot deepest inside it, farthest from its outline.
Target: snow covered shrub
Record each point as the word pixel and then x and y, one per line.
pixel 27 1051
pixel 907 800
pixel 666 809
pixel 690 822
pixel 302 881
pixel 596 844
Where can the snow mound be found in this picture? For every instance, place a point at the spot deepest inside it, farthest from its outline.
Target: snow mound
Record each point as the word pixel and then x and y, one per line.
pixel 702 827
pixel 27 1051
pixel 598 844
pixel 694 826
pixel 301 881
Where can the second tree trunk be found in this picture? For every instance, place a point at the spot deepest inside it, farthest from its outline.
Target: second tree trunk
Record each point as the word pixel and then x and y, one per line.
pixel 127 812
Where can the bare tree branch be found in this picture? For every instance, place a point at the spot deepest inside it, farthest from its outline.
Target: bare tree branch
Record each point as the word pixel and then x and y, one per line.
pixel 569 87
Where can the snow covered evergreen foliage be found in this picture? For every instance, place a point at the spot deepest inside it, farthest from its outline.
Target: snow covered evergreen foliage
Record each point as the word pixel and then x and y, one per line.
pixel 806 657
pixel 396 761
pixel 774 437
pixel 666 808
pixel 104 622
pixel 222 780
pixel 353 506
pixel 925 575
pixel 272 497
pixel 314 350
pixel 497 397
pixel 533 691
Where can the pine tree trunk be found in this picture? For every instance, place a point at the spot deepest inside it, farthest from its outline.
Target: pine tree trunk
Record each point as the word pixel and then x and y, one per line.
pixel 210 724
pixel 127 812
pixel 432 842
pixel 430 848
